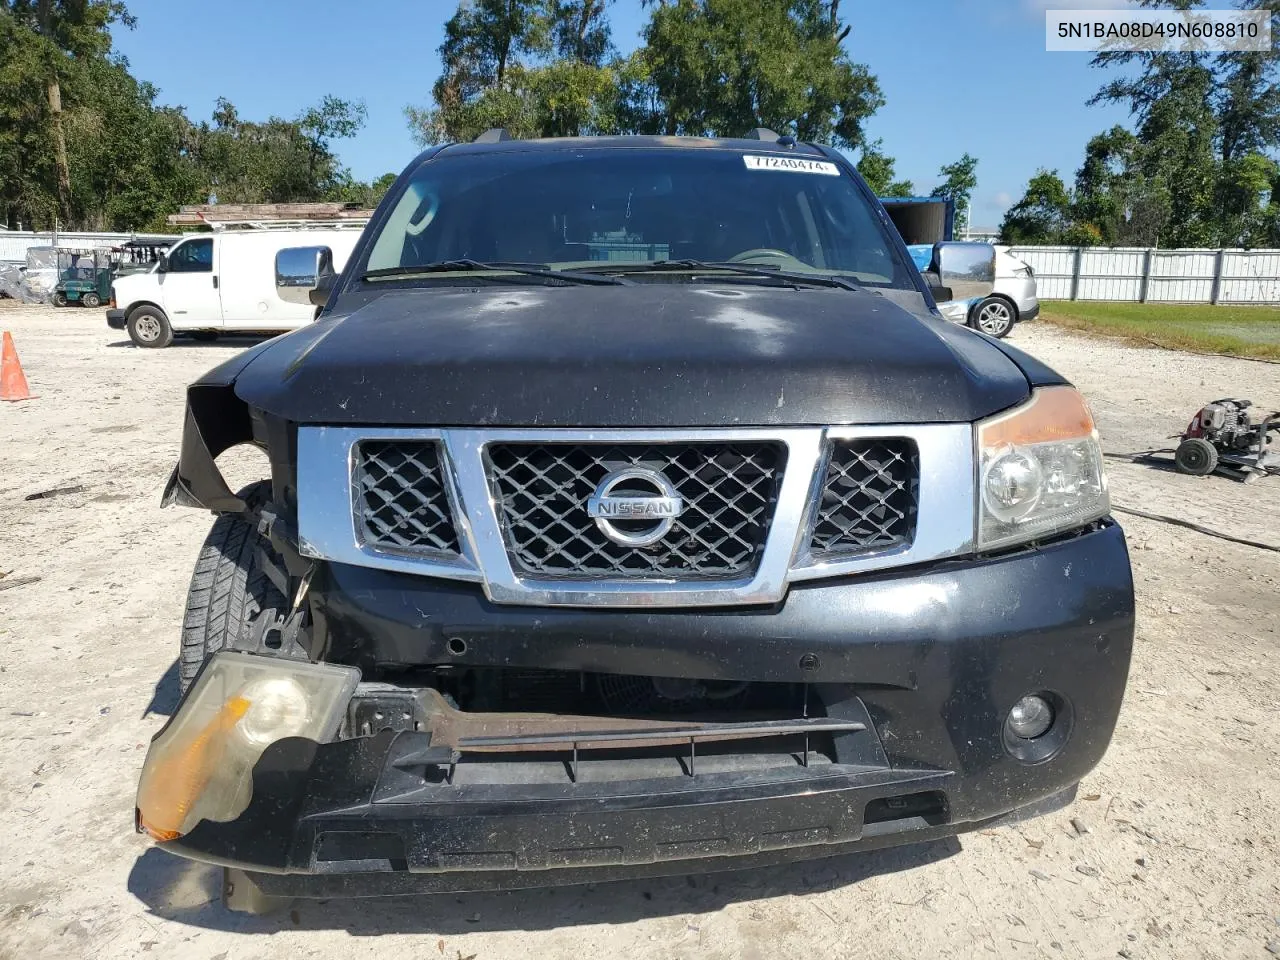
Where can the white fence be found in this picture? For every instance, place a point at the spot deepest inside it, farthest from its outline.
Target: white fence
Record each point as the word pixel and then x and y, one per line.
pixel 1151 275
pixel 14 244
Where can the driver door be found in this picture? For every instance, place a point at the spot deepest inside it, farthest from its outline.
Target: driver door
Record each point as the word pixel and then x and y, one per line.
pixel 189 288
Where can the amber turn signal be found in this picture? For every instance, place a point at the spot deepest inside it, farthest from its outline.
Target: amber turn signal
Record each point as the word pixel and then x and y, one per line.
pixel 200 766
pixel 168 794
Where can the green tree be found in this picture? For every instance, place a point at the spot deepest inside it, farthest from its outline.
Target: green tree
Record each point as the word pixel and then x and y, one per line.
pixel 274 160
pixel 877 168
pixel 1103 182
pixel 99 152
pixel 28 176
pixel 50 43
pixel 127 156
pixel 347 189
pixel 580 30
pixel 1043 213
pixel 1195 171
pixel 1081 235
pixel 483 42
pixel 332 119
pixel 1116 197
pixel 708 67
pixel 1177 156
pixel 722 67
pixel 1247 103
pixel 1243 191
pixel 960 179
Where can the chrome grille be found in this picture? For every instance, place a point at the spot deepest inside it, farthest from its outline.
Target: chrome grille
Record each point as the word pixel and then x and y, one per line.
pixel 729 491
pixel 400 499
pixel 869 497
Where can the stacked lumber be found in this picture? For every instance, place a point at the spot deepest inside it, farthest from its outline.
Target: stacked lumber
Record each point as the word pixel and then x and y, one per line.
pixel 193 215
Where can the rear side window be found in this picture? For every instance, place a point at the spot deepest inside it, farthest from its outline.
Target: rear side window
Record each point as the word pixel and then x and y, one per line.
pixel 194 256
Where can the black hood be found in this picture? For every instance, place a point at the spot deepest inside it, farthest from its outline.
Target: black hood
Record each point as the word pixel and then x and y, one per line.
pixel 642 355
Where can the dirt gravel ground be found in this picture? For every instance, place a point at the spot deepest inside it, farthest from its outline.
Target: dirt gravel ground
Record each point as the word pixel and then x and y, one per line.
pixel 1171 850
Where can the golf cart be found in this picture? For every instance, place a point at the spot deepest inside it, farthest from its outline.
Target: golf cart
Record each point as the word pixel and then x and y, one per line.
pixel 84 277
pixel 138 256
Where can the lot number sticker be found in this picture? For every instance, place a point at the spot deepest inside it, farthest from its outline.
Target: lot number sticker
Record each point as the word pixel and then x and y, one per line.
pixel 791 165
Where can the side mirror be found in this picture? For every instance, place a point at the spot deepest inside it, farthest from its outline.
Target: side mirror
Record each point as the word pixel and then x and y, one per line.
pixel 302 273
pixel 326 277
pixel 967 270
pixel 940 293
pixel 162 265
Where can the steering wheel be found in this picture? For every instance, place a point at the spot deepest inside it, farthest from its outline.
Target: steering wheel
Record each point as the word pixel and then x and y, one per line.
pixel 761 253
pixel 771 256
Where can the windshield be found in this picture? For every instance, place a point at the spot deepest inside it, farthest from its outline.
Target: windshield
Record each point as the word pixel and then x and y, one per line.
pixel 602 209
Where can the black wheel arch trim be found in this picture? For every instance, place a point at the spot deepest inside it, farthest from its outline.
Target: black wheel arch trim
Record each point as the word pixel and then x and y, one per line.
pixel 216 420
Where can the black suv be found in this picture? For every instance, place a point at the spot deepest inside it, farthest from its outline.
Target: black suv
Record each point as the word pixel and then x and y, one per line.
pixel 632 511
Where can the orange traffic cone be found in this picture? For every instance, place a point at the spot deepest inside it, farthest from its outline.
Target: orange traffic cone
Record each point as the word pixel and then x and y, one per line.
pixel 13 384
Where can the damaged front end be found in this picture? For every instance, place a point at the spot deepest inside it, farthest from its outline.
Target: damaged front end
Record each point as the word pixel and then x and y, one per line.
pixel 216 420
pixel 320 785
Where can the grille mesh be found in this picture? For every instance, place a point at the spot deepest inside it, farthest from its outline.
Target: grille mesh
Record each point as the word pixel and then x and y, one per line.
pixel 869 497
pixel 729 491
pixel 401 503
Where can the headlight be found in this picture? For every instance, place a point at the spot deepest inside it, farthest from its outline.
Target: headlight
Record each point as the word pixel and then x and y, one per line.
pixel 200 766
pixel 1040 470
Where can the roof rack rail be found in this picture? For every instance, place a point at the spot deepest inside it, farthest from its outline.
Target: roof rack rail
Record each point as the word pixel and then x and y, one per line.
pixel 494 135
pixel 760 133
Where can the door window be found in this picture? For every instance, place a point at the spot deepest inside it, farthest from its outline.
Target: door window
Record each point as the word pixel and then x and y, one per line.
pixel 194 256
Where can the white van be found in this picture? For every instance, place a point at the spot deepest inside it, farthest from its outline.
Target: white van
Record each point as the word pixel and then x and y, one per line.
pixel 212 283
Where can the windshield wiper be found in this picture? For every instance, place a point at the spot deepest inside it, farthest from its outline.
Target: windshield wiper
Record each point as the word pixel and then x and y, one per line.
pixel 768 273
pixel 495 266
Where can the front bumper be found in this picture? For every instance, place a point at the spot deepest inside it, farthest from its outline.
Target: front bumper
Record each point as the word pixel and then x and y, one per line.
pixel 931 659
pixel 116 319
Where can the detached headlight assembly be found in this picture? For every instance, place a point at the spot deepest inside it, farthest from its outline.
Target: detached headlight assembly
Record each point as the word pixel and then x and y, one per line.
pixel 1039 470
pixel 200 766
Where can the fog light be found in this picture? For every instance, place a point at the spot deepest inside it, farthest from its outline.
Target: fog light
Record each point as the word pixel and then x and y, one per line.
pixel 1030 717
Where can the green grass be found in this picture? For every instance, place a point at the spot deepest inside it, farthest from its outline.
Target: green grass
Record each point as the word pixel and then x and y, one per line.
pixel 1234 331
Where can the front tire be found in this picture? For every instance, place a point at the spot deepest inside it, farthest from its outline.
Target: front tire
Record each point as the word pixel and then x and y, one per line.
pixel 994 316
pixel 149 327
pixel 1196 457
pixel 90 300
pixel 59 299
pixel 229 589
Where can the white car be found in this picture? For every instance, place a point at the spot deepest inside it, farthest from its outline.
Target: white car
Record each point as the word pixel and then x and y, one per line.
pixel 1012 299
pixel 212 283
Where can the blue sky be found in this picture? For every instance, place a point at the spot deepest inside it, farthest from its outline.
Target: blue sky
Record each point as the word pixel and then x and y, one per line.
pixel 957 75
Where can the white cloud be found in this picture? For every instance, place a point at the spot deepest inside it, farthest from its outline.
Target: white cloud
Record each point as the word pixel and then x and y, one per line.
pixel 994 203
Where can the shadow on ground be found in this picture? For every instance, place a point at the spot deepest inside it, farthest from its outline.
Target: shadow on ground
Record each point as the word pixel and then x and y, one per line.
pixel 223 340
pixel 1161 460
pixel 165 696
pixel 186 892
